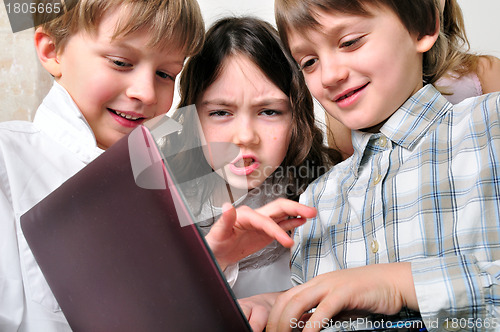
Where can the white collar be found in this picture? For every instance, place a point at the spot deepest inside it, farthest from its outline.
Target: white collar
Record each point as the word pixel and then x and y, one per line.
pixel 59 117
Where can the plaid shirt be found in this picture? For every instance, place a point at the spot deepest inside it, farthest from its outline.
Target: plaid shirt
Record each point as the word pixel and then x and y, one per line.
pixel 426 189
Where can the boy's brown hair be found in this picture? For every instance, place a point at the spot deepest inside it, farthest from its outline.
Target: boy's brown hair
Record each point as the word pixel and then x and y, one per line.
pixel 174 23
pixel 419 17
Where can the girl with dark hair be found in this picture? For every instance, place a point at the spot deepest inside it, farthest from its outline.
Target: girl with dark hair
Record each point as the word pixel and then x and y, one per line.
pixel 248 92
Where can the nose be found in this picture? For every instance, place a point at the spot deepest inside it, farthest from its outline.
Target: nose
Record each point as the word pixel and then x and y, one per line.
pixel 333 71
pixel 245 132
pixel 142 87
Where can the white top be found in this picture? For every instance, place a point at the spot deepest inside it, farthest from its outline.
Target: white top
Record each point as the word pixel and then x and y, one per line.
pixel 35 159
pixel 457 88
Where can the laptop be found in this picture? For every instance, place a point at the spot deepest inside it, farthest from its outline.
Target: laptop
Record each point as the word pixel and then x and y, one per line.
pixel 121 252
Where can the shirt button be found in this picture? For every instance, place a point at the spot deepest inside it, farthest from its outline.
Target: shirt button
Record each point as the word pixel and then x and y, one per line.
pixel 374 246
pixel 377 179
pixel 382 141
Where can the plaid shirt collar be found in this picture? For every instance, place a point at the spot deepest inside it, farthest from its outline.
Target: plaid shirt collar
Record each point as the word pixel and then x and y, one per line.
pixel 407 125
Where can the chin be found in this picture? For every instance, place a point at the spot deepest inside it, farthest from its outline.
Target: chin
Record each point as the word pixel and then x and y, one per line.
pixel 245 185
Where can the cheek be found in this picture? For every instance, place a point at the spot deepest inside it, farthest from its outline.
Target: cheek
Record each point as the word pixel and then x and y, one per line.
pixel 215 151
pixel 100 90
pixel 165 102
pixel 277 142
pixel 314 85
pixel 211 134
pixel 101 95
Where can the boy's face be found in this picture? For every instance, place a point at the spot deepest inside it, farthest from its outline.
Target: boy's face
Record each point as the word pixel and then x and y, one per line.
pixel 117 84
pixel 361 69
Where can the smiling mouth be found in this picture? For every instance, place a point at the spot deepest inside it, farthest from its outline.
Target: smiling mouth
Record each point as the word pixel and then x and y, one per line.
pixel 125 116
pixel 351 93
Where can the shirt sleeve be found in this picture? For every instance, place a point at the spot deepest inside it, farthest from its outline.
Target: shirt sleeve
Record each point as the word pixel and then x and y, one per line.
pixel 11 285
pixel 296 259
pixel 231 273
pixel 458 284
pixel 465 283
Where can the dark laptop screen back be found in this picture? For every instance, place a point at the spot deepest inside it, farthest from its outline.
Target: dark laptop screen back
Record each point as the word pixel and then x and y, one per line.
pixel 116 257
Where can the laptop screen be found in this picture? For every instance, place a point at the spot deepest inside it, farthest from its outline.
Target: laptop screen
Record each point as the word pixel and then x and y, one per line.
pixel 121 252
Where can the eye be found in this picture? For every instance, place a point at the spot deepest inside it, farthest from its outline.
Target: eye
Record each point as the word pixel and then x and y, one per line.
pixel 165 76
pixel 351 43
pixel 120 64
pixel 271 112
pixel 308 64
pixel 219 113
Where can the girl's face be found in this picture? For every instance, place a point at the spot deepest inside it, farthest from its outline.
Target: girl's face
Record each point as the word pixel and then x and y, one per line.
pixel 245 108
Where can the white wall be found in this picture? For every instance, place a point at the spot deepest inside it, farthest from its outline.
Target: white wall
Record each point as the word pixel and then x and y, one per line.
pixel 214 9
pixel 482 24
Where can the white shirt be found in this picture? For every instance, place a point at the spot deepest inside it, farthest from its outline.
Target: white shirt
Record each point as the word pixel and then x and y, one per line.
pixel 35 159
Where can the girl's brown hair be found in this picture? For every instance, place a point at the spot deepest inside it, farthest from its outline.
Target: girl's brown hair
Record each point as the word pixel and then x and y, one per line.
pixel 259 42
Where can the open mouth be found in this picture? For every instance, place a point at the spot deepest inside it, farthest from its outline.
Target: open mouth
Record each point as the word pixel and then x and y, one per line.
pixel 244 166
pixel 244 162
pixel 351 93
pixel 125 116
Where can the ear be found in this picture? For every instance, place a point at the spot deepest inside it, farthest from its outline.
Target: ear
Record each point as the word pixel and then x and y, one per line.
pixel 425 43
pixel 46 51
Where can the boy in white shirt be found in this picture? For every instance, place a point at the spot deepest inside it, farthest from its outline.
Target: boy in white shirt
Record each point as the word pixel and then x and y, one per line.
pixel 114 64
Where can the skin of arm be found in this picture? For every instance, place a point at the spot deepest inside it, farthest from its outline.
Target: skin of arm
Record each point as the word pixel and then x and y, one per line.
pixel 488 71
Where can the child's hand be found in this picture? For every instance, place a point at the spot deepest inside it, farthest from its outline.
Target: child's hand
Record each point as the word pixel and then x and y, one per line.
pixel 257 308
pixel 377 288
pixel 243 231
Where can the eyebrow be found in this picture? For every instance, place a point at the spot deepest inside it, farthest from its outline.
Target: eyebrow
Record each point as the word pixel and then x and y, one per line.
pixel 333 30
pixel 272 101
pixel 129 47
pixel 120 43
pixel 220 102
pixel 261 103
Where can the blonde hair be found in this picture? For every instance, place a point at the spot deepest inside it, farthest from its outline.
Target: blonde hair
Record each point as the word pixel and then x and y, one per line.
pixel 174 23
pixel 459 60
pixel 419 17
